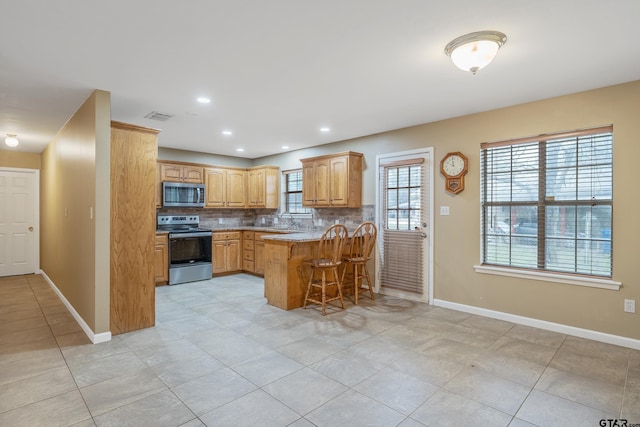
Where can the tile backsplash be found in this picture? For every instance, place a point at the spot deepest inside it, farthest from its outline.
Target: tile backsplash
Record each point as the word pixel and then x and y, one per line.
pixel 319 218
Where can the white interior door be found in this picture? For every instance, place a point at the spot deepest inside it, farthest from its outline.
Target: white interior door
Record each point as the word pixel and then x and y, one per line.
pixel 404 217
pixel 18 221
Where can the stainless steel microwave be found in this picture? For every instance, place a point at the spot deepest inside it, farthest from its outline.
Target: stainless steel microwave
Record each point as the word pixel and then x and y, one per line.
pixel 180 194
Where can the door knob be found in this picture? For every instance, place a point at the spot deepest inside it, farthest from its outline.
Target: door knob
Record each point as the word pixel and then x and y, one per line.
pixel 30 228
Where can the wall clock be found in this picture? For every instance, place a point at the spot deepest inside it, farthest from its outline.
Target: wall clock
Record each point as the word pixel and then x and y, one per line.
pixel 454 167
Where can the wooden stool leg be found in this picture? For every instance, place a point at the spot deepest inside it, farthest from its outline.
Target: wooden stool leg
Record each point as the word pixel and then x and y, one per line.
pixel 366 273
pixel 356 288
pixel 339 284
pixel 324 293
pixel 308 289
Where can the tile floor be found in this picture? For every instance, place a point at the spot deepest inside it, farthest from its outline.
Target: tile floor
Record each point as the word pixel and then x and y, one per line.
pixel 220 356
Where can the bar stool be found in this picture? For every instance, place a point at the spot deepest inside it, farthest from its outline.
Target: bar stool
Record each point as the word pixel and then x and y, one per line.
pixel 362 242
pixel 324 268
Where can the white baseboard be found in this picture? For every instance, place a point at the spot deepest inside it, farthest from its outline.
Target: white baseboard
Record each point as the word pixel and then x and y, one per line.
pixel 95 338
pixel 542 324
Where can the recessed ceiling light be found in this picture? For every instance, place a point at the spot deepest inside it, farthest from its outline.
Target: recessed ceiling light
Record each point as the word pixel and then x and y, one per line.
pixel 285 147
pixel 11 140
pixel 227 132
pixel 240 149
pixel 324 129
pixel 204 100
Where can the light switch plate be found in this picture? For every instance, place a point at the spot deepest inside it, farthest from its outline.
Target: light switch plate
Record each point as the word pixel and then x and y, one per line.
pixel 444 210
pixel 630 305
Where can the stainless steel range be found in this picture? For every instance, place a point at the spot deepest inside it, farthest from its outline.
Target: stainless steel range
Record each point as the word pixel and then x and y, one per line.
pixel 189 248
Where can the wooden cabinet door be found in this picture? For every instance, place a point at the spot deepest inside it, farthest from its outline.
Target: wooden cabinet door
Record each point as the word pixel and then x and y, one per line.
pixel 323 191
pixel 258 256
pixel 271 188
pixel 308 184
pixel 215 187
pixel 192 174
pixel 161 260
pixel 219 255
pixel 236 194
pixel 234 255
pixel 338 181
pixel 171 172
pixel 256 188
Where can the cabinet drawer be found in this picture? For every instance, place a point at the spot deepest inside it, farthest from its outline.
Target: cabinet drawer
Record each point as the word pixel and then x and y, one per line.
pixel 247 235
pixel 247 255
pixel 247 245
pixel 226 235
pixel 248 265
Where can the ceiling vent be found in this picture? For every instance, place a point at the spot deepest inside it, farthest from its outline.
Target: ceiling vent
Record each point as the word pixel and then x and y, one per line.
pixel 161 117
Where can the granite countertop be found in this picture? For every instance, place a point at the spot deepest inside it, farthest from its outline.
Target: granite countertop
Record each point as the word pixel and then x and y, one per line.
pixel 312 236
pixel 242 228
pixel 286 234
pixel 251 228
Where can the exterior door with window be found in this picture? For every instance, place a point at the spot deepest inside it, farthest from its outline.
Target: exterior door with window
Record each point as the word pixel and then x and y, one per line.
pixel 404 218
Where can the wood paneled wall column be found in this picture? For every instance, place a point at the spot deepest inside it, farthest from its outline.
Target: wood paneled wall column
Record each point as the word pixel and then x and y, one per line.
pixel 134 153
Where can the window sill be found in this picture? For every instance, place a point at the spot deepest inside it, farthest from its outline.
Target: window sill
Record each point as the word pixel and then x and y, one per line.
pixel 549 277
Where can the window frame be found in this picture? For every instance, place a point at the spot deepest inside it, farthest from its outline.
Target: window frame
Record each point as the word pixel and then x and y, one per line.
pixel 286 192
pixel 542 270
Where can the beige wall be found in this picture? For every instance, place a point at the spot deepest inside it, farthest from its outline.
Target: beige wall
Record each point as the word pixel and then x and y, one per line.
pixel 73 252
pixel 19 159
pixel 456 244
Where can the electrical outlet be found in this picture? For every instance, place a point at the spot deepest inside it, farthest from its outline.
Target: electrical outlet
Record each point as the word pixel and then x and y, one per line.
pixel 263 220
pixel 444 210
pixel 630 306
pixel 220 220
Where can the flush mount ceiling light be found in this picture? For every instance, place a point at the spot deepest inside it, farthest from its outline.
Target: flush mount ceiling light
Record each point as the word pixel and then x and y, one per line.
pixel 11 140
pixel 204 100
pixel 227 132
pixel 474 51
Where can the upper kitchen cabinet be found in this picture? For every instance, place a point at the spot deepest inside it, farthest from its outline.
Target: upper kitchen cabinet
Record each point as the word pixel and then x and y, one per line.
pixel 175 172
pixel 332 180
pixel 262 187
pixel 226 187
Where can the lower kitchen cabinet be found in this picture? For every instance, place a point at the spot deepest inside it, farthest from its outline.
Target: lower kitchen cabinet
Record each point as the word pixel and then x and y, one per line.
pixel 161 260
pixel 259 257
pixel 258 252
pixel 248 255
pixel 226 252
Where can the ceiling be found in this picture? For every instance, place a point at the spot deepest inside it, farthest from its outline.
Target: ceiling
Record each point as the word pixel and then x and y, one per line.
pixel 277 71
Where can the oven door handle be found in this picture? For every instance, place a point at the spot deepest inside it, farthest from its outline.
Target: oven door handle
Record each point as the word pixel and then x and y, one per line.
pixel 194 234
